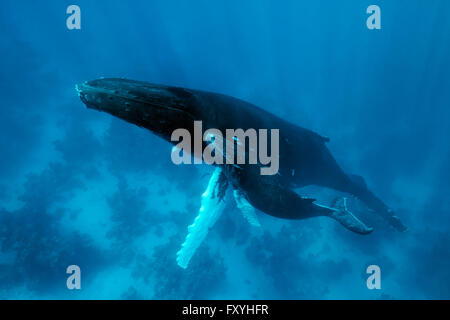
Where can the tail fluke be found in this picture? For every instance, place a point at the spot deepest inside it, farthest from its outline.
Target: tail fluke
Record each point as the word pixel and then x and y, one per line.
pixel 375 205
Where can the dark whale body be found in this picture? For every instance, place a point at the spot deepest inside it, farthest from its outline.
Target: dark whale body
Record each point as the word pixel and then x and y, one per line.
pixel 304 158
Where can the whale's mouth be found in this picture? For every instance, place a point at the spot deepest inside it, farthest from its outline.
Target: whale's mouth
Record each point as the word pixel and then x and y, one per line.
pixel 91 95
pixel 111 95
pixel 158 108
pixel 82 92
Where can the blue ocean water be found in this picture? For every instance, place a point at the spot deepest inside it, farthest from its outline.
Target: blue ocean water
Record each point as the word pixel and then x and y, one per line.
pixel 78 187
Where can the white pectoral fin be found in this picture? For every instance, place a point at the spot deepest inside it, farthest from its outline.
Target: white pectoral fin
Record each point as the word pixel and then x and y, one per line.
pixel 246 208
pixel 212 206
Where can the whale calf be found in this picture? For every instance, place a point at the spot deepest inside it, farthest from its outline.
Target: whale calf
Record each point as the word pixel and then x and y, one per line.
pixel 304 158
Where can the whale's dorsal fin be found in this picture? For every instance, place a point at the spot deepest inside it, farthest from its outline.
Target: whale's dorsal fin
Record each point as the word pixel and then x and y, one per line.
pixel 212 206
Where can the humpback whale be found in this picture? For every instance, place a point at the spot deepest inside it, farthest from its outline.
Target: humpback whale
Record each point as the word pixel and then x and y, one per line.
pixel 304 158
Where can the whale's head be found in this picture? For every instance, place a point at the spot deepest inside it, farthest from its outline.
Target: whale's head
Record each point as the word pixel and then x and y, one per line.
pixel 159 108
